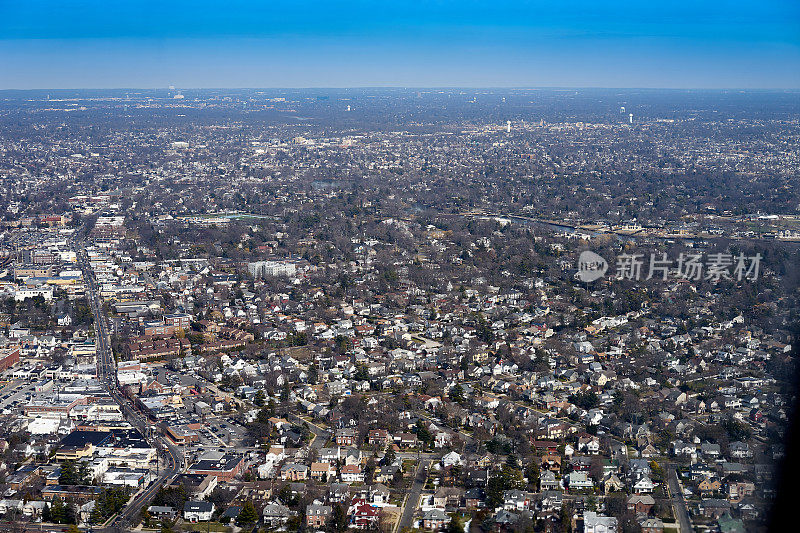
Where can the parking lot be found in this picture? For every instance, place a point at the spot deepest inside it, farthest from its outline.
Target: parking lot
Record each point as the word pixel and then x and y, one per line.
pixel 216 430
pixel 14 395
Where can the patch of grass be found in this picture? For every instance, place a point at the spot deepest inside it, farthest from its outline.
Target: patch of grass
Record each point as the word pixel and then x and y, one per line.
pixel 206 526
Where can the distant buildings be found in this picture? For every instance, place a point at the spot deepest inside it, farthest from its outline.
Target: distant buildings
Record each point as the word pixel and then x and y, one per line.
pixel 271 269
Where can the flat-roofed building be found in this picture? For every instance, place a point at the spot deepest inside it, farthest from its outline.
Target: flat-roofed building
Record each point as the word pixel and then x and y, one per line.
pixel 225 467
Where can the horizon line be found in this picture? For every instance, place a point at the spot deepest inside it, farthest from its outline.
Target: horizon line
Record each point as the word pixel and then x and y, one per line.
pixel 405 87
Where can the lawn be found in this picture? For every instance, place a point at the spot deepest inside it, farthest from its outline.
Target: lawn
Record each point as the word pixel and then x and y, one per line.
pixel 206 526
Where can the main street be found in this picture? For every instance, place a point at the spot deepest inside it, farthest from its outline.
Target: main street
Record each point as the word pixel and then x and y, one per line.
pixel 106 373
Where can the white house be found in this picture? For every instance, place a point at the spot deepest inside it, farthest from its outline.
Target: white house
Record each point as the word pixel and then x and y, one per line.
pixel 452 459
pixel 643 486
pixel 579 480
pixel 594 523
pixel 351 474
pixel 198 511
pixel 589 444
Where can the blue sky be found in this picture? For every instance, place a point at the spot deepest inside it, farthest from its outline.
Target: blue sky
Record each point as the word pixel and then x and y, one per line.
pixel 233 43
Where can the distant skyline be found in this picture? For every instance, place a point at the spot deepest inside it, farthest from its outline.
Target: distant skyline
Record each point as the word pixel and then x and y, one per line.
pixel 147 44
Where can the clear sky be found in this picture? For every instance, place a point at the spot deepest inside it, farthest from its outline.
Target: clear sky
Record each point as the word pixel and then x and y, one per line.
pixel 420 43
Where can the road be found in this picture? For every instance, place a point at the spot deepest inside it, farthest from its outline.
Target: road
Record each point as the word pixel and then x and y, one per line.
pixel 412 499
pixel 107 374
pixel 678 503
pixel 321 436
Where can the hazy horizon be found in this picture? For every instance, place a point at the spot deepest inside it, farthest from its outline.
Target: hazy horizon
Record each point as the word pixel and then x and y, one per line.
pixel 177 89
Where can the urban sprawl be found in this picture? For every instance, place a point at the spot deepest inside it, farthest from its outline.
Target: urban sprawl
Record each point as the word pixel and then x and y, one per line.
pixel 333 310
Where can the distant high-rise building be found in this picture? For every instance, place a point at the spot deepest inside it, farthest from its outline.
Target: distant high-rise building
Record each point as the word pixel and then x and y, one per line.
pixel 508 126
pixel 348 108
pixel 630 118
pixel 622 109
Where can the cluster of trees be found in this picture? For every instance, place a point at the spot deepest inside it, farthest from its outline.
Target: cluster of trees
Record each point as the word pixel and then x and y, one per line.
pixel 82 312
pixel 726 431
pixel 361 372
pixel 737 431
pixel 423 434
pixel 248 514
pixel 35 312
pixel 483 330
pixel 109 503
pixel 60 512
pixel 299 338
pixel 503 446
pixel 506 479
pixel 584 400
pixel 73 473
pixel 174 497
pixel 342 343
pixel 261 428
pixel 457 394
